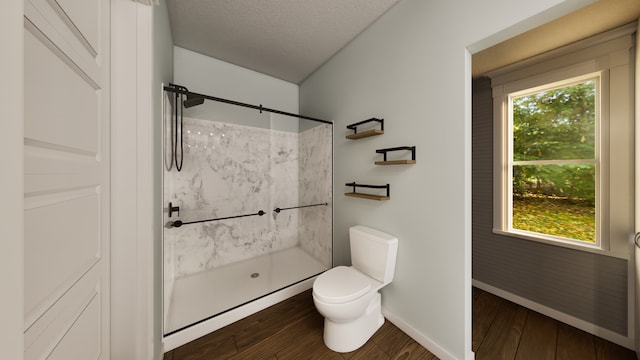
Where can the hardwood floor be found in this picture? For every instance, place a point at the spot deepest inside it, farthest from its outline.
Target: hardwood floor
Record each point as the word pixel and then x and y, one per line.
pixel 502 330
pixel 292 330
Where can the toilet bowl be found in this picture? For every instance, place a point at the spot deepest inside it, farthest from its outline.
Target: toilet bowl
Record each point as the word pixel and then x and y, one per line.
pixel 348 297
pixel 350 304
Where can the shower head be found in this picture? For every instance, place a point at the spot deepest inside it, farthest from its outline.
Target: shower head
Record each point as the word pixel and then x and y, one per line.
pixel 193 100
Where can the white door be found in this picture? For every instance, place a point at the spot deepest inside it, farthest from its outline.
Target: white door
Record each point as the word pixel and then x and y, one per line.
pixel 66 179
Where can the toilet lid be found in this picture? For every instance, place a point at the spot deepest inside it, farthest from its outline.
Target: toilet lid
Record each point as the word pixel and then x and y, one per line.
pixel 340 284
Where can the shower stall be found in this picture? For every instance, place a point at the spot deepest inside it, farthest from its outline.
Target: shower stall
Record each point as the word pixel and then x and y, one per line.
pixel 247 204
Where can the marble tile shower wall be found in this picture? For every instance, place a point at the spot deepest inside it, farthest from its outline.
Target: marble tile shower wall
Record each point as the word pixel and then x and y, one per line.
pixel 231 170
pixel 315 181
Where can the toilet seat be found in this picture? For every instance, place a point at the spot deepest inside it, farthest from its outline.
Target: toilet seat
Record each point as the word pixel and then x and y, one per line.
pixel 340 285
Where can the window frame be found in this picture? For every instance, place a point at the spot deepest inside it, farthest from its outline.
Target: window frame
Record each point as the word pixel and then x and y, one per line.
pixel 503 212
pixel 609 56
pixel 510 162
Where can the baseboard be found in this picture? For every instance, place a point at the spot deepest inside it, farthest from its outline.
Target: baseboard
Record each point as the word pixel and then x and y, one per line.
pixel 558 315
pixel 425 341
pixel 196 331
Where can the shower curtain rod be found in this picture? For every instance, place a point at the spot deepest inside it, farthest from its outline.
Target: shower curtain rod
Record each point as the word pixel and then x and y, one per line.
pixel 179 90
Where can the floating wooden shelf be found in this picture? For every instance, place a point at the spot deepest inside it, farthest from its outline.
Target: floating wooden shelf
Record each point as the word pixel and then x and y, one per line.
pixel 357 135
pixel 365 134
pixel 397 162
pixel 368 196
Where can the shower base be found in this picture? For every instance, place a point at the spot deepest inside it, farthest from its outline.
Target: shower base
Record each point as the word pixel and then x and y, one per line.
pixel 202 295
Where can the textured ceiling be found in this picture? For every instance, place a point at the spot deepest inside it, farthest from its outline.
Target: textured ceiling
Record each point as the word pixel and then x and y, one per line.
pixel 287 39
pixel 592 19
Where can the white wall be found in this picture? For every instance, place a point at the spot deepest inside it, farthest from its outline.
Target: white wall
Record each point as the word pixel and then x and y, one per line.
pixel 209 76
pixel 11 193
pixel 413 68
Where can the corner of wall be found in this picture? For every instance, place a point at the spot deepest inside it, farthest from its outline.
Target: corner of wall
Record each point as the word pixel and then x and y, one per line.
pixel 420 338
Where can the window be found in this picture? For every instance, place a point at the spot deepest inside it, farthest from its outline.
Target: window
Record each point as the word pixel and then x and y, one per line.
pixel 553 160
pixel 564 146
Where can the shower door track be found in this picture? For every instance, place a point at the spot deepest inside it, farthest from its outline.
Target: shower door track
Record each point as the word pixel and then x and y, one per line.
pixel 180 90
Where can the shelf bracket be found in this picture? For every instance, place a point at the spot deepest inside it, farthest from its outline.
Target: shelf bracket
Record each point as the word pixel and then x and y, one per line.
pixel 369 196
pixel 396 162
pixel 357 135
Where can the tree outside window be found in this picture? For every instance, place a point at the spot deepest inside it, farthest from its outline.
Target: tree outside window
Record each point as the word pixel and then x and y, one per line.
pixel 554 161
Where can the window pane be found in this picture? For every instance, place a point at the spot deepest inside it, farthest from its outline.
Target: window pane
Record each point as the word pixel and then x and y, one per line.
pixel 556 200
pixel 555 124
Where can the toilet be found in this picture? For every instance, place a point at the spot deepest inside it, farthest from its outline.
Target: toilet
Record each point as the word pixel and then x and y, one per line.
pixel 348 297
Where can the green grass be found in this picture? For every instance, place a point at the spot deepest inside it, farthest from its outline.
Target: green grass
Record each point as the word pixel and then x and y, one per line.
pixel 555 216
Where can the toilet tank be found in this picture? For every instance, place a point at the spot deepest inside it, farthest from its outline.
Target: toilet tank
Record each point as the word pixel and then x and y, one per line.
pixel 373 252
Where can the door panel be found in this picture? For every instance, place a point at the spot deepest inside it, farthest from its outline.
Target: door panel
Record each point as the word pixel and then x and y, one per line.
pixel 83 339
pixel 83 18
pixel 66 179
pixel 62 107
pixel 62 235
pixel 43 21
pixel 47 168
pixel 76 311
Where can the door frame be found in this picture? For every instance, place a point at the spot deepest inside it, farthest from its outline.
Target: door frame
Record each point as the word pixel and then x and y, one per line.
pixel 136 299
pixel 11 191
pixel 636 253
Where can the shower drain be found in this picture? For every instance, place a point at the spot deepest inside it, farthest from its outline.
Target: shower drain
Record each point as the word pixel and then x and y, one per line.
pixel 255 275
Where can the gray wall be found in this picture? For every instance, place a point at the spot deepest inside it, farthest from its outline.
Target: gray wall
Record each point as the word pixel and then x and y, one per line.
pixel 584 285
pixel 412 68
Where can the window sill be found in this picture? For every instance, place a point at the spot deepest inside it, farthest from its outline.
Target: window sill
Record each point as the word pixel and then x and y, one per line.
pixel 586 247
